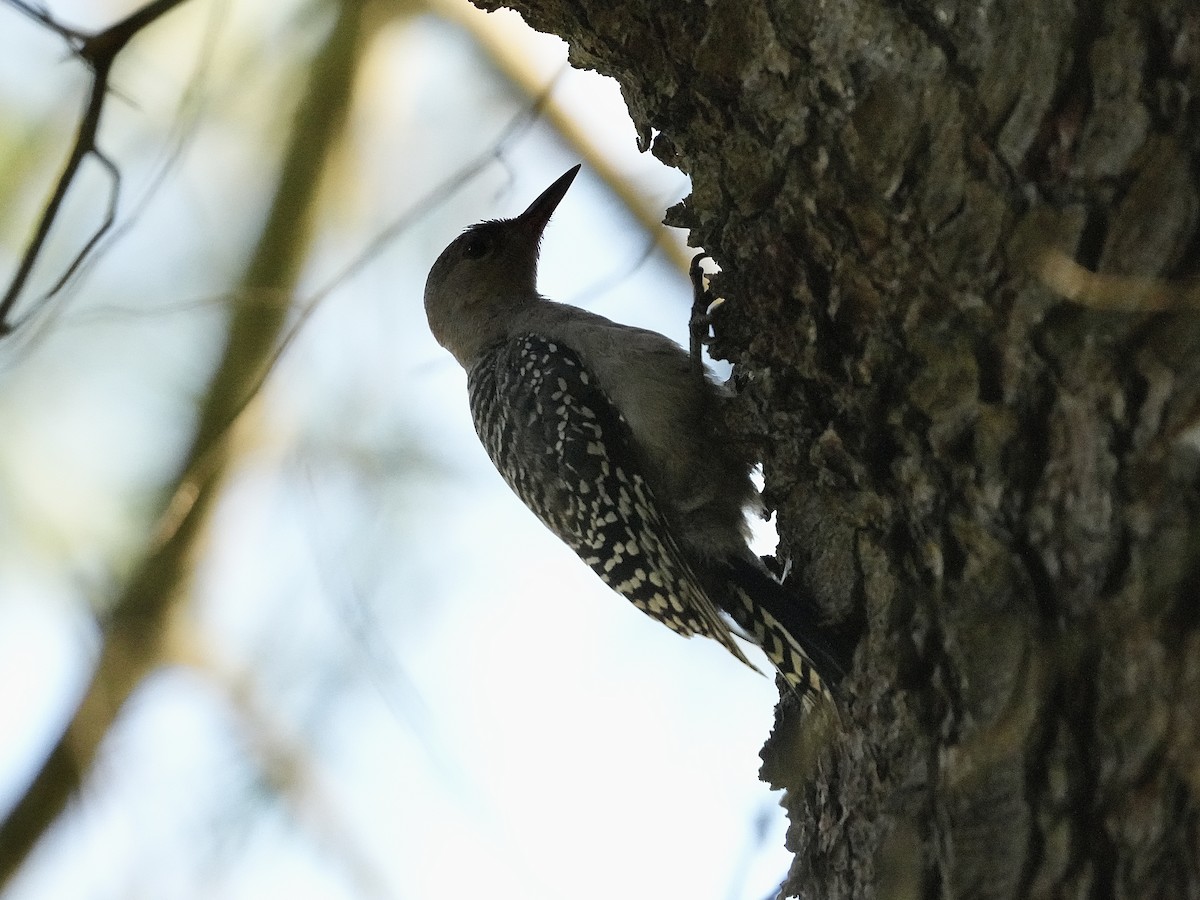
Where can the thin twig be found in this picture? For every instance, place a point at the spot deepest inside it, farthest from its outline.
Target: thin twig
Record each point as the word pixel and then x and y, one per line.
pixel 99 51
pixel 43 18
pixel 184 126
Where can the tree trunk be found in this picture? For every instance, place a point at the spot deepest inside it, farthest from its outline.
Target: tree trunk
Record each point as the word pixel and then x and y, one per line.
pixel 993 482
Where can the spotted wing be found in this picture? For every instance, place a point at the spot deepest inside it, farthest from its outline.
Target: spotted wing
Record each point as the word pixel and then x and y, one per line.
pixel 567 452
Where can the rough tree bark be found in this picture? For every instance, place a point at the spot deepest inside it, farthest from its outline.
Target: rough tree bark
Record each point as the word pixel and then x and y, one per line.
pixel 995 485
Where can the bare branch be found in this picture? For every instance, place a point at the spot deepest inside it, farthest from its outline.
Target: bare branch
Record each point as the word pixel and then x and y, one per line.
pixel 43 18
pixel 99 51
pixel 135 626
pixel 110 216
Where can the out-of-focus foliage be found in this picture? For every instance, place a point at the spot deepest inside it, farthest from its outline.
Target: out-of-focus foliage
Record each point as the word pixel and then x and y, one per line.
pixel 382 675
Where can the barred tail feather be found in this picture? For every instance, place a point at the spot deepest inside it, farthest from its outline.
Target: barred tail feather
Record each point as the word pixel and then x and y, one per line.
pixel 811 660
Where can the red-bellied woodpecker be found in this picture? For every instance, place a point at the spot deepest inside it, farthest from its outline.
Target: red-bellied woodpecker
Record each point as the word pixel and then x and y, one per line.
pixel 611 438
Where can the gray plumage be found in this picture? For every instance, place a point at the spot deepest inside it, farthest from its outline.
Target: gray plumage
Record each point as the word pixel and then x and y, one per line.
pixel 605 432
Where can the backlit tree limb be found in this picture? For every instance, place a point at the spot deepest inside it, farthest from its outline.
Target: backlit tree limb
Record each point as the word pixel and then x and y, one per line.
pixel 136 621
pixel 99 52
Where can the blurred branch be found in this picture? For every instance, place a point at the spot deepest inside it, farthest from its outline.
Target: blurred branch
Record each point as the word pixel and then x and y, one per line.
pixel 285 762
pixel 99 51
pixel 1119 293
pixel 135 626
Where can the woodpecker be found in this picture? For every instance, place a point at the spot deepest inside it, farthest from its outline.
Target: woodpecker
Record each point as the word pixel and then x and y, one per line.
pixel 616 443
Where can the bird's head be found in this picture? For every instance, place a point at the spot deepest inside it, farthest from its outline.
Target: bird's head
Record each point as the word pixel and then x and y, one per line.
pixel 486 274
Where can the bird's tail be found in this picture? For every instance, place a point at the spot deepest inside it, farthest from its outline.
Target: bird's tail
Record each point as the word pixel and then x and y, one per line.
pixel 811 659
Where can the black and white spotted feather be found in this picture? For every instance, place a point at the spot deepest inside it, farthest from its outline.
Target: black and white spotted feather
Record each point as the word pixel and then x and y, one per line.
pixel 805 661
pixel 568 454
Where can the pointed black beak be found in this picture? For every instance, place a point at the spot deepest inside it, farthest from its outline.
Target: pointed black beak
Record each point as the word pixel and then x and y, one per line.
pixel 534 219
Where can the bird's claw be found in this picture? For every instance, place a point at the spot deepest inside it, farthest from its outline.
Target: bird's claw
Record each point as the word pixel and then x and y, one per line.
pixel 703 304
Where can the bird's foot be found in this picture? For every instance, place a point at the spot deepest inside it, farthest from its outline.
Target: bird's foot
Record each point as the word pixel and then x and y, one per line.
pixel 703 304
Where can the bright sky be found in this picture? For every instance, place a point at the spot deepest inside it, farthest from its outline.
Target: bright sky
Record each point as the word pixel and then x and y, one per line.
pixel 473 713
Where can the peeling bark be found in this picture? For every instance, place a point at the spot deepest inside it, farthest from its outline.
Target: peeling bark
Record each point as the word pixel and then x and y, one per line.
pixel 997 486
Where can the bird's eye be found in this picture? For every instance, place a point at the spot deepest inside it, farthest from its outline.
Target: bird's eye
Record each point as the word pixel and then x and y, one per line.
pixel 477 246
